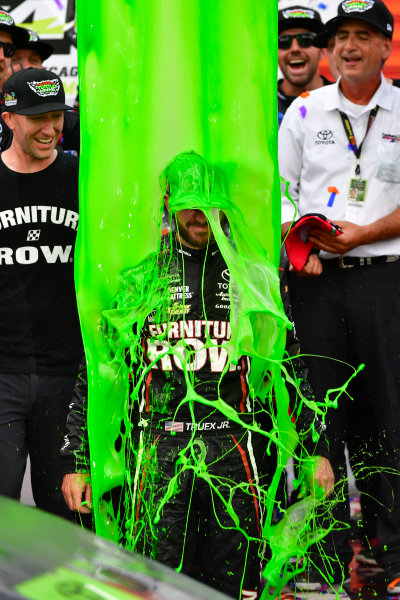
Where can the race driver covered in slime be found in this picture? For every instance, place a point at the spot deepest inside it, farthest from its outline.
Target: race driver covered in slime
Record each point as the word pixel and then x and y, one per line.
pixel 196 474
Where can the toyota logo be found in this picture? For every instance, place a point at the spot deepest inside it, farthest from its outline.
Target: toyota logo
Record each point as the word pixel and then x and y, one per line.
pixel 325 134
pixel 226 275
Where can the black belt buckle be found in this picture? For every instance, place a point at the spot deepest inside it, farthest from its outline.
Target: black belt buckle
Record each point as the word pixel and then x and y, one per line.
pixel 361 261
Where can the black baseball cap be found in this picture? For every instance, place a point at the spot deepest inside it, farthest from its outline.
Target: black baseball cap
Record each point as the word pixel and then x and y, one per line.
pixel 34 92
pixel 373 12
pixel 19 35
pixel 299 16
pixel 43 49
pixel 321 39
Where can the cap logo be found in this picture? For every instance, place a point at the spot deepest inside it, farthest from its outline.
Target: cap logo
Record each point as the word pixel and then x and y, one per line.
pixel 51 87
pixel 33 36
pixel 5 18
pixel 296 13
pixel 10 99
pixel 350 6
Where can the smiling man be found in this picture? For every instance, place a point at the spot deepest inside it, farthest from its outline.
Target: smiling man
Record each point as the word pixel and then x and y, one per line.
pixel 31 51
pixel 297 57
pixel 34 103
pixel 40 342
pixel 346 302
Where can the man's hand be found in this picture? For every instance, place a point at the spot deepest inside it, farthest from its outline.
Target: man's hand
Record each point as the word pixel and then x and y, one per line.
pixel 317 477
pixel 312 268
pixel 76 488
pixel 323 476
pixel 285 228
pixel 352 236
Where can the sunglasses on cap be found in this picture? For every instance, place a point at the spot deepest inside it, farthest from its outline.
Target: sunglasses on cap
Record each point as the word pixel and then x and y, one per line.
pixel 304 40
pixel 8 49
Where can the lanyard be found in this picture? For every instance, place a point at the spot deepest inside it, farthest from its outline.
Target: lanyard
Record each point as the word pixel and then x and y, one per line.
pixel 351 137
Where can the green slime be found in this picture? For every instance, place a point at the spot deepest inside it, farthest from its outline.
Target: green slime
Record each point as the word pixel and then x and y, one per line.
pixel 158 78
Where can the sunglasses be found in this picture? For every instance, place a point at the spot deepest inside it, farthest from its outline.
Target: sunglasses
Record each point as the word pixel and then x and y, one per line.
pixel 304 40
pixel 8 49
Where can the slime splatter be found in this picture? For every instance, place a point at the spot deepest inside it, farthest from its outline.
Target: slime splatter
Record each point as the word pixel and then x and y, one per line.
pixel 156 79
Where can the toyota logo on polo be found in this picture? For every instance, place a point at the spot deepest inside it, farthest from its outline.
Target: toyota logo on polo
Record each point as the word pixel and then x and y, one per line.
pixel 324 138
pixel 325 135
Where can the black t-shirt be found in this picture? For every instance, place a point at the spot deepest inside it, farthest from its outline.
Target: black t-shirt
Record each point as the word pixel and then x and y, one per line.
pixel 39 325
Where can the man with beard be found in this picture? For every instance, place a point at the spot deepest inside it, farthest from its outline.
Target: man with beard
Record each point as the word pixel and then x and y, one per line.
pixel 298 58
pixel 188 307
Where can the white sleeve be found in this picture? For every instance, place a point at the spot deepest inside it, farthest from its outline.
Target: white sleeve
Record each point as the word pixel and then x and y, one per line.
pixel 290 154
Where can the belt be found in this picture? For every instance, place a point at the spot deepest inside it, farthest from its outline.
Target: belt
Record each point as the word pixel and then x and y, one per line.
pixel 348 262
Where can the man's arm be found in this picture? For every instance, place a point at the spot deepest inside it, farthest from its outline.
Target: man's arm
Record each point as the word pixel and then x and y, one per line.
pixel 290 157
pixel 75 452
pixel 291 142
pixel 357 235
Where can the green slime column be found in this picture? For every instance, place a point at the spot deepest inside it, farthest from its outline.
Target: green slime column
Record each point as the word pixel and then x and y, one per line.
pixel 158 78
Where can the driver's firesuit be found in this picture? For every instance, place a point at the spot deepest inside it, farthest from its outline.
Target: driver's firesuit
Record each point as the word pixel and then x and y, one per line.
pixel 222 452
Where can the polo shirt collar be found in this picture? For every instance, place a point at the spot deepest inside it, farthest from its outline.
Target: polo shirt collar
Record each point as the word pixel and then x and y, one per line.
pixel 383 96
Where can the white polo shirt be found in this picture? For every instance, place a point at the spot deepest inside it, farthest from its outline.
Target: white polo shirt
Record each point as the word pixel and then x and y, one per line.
pixel 315 158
